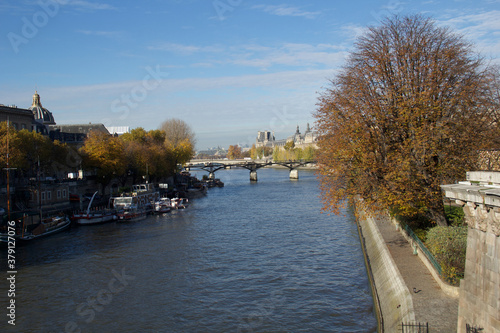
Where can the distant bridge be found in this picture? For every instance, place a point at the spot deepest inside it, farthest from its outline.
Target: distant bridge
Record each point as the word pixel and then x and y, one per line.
pixel 211 166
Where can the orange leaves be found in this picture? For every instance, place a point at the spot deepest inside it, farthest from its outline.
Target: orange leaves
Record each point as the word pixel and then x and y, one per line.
pixel 403 116
pixel 105 153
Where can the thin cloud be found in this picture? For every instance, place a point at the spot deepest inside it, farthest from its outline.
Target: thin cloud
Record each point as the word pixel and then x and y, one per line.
pixel 286 10
pixel 99 33
pixel 87 5
pixel 184 49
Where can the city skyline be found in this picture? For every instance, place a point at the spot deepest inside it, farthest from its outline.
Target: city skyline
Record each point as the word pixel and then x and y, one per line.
pixel 229 68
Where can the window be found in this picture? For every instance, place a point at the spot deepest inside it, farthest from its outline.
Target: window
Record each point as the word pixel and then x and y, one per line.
pixel 64 194
pixel 49 195
pixel 43 196
pixel 58 194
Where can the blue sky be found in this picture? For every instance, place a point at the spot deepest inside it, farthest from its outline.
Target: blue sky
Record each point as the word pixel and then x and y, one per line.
pixel 229 68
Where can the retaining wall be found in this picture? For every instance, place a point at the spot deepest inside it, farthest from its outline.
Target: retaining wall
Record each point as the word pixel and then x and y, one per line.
pixel 391 295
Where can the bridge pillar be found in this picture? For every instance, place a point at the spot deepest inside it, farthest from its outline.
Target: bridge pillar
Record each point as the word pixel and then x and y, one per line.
pixel 294 174
pixel 253 175
pixel 211 175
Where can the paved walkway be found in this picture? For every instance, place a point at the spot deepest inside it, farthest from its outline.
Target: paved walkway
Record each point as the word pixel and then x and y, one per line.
pixel 430 303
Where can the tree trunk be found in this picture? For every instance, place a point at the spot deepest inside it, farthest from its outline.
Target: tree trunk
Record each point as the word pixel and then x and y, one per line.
pixel 437 215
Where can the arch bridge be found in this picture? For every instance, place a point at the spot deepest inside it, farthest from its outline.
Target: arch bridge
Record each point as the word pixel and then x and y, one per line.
pixel 211 167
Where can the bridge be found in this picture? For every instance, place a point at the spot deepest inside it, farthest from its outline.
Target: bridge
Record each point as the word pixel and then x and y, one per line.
pixel 211 166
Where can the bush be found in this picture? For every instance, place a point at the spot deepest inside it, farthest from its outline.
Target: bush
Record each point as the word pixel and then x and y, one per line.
pixel 448 245
pixel 455 215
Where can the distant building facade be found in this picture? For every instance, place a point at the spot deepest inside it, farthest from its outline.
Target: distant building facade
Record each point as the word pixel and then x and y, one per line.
pixel 17 117
pixel 75 134
pixel 39 119
pixel 267 139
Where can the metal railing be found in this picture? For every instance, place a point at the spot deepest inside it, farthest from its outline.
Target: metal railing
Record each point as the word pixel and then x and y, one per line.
pixel 472 329
pixel 414 327
pixel 422 247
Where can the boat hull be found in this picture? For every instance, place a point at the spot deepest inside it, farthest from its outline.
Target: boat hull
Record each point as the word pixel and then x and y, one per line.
pixel 84 219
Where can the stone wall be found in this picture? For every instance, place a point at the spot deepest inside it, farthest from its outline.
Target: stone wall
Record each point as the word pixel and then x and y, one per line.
pixel 390 291
pixel 480 289
pixel 479 304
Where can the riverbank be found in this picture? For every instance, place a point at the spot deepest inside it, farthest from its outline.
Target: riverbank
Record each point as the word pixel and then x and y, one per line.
pixel 404 289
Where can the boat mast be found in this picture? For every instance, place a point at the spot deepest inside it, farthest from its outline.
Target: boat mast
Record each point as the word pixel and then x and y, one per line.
pixel 8 170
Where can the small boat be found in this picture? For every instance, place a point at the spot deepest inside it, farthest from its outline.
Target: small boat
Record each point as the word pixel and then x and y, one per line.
pixel 162 206
pixel 94 217
pixel 179 203
pixel 45 227
pixel 198 190
pixel 132 213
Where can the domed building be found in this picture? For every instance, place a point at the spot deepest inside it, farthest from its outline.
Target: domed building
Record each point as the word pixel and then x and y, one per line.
pixel 42 116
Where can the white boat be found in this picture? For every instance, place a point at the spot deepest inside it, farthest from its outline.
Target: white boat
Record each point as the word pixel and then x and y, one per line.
pixel 134 206
pixel 162 206
pixel 179 203
pixel 94 217
pixel 132 213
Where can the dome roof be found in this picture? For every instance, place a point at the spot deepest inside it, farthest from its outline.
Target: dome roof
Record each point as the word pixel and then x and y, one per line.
pixel 40 113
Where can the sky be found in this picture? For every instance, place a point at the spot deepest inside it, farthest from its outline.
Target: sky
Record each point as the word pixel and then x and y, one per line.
pixel 228 68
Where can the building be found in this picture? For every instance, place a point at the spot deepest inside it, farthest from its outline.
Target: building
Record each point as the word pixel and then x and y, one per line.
pixel 39 119
pixel 309 138
pixel 43 118
pixel 267 139
pixel 75 134
pixel 118 130
pixel 17 117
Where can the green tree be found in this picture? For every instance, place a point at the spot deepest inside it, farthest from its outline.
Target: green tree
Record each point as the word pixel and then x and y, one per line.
pixel 309 153
pixel 449 245
pixel 289 145
pixel 407 113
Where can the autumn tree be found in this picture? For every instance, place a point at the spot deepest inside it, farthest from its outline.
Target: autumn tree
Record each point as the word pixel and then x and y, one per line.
pixel 253 152
pixel 9 142
pixel 234 152
pixel 407 112
pixel 105 154
pixel 33 154
pixel 264 152
pixel 179 141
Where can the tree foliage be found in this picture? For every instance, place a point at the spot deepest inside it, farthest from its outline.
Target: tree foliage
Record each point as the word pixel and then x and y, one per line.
pixel 179 140
pixel 449 245
pixel 105 154
pixel 234 152
pixel 32 153
pixel 407 113
pixel 294 154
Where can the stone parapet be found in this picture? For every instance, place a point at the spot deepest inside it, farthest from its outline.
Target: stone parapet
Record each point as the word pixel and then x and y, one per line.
pixel 479 304
pixel 480 197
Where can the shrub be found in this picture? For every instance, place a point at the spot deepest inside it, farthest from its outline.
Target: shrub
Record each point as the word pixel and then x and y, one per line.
pixel 448 245
pixel 454 215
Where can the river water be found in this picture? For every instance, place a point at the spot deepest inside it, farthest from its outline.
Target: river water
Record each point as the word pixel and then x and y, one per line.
pixel 249 257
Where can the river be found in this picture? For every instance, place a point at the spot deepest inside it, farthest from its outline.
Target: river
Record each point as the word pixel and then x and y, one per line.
pixel 249 257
